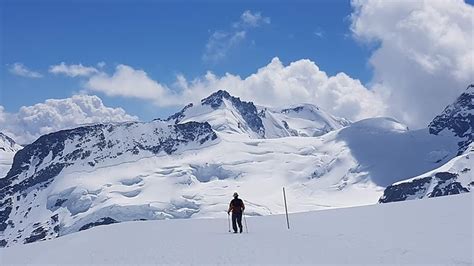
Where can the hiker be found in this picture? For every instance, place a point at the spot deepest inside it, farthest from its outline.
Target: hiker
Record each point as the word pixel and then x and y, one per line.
pixel 237 207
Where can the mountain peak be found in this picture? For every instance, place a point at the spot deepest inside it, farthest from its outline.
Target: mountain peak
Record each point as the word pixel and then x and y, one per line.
pixel 233 116
pixel 457 118
pixel 215 99
pixel 8 144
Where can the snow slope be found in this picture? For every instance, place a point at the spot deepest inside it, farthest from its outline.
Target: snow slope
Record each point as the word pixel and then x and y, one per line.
pixel 8 148
pixel 425 232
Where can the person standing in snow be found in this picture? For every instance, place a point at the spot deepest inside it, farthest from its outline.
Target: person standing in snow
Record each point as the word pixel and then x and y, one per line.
pixel 237 207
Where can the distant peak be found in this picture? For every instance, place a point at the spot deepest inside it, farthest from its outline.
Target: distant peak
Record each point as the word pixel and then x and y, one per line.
pixel 218 94
pixel 7 143
pixel 457 118
pixel 215 99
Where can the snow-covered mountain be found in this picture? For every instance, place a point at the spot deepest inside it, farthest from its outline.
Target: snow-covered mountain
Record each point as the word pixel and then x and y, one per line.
pixel 457 119
pixel 454 177
pixel 229 114
pixel 457 175
pixel 8 148
pixel 188 165
pixel 7 144
pixel 31 210
pixel 304 120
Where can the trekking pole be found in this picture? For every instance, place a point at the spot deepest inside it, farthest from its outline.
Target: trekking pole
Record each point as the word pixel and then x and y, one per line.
pixel 286 209
pixel 246 227
pixel 228 220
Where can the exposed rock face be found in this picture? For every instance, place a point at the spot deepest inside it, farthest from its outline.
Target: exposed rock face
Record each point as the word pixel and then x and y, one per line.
pixel 454 177
pixel 244 110
pixel 229 114
pixel 457 119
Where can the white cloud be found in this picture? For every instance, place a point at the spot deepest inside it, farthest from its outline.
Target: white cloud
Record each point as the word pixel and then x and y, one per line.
pixel 129 82
pixel 272 85
pixel 30 122
pixel 424 53
pixel 300 82
pixel 253 20
pixel 74 70
pixel 21 70
pixel 221 42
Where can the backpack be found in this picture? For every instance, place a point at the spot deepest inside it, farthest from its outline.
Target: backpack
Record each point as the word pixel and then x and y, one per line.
pixel 237 205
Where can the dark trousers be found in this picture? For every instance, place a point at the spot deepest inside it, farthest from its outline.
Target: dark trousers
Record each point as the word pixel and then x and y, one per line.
pixel 236 219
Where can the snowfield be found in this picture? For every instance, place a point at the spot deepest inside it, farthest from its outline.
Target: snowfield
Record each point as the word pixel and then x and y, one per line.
pixel 434 231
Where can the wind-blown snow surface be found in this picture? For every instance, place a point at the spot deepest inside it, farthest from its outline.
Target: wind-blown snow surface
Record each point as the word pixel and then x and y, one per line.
pixel 425 232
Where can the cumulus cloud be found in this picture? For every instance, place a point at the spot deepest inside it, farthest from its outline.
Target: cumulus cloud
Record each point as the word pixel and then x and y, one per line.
pixel 423 56
pixel 299 82
pixel 129 82
pixel 272 85
pixel 30 122
pixel 21 70
pixel 74 70
pixel 222 41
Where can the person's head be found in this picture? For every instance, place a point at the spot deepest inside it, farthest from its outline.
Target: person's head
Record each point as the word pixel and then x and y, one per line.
pixel 236 195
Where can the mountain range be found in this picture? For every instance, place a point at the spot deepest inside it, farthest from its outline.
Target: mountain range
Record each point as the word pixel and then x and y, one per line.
pixel 188 165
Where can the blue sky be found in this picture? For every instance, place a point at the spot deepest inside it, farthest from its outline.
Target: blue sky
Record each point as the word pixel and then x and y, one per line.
pixel 403 59
pixel 165 39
